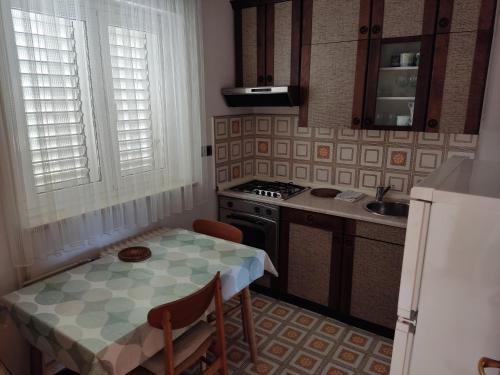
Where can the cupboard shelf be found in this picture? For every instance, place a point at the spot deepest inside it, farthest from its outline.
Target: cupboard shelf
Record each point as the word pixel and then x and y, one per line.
pixel 398 68
pixel 400 98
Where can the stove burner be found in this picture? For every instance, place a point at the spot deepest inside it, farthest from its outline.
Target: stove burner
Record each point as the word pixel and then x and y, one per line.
pixel 271 189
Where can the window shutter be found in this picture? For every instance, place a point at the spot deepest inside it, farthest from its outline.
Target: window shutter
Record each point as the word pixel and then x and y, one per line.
pixel 57 110
pixel 131 88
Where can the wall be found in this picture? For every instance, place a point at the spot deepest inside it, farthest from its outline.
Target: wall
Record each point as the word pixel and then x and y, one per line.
pixel 217 28
pixel 272 146
pixel 489 134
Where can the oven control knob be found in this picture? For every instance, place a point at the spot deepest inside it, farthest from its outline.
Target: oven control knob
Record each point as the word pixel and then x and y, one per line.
pixel 275 195
pixel 256 209
pixel 269 212
pixel 230 204
pixel 269 194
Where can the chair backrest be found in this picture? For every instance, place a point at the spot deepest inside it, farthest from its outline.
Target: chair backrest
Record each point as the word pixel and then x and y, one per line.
pixel 187 310
pixel 218 229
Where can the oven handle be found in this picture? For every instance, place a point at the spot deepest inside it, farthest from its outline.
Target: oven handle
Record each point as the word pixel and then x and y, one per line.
pixel 244 218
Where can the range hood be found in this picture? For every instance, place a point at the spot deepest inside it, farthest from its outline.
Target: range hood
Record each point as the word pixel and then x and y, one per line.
pixel 264 96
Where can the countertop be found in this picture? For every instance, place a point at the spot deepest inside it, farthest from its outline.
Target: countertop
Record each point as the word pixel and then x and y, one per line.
pixel 329 206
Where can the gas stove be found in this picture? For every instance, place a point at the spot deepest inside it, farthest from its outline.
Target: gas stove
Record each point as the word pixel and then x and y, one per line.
pixel 270 189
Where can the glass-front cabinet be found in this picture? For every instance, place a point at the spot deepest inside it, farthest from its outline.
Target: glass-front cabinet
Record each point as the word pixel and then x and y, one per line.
pixel 398 79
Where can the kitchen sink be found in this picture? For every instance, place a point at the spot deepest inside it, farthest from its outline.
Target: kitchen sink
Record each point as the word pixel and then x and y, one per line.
pixel 385 208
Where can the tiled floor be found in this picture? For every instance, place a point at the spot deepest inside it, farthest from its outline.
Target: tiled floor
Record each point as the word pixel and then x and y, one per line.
pixel 297 341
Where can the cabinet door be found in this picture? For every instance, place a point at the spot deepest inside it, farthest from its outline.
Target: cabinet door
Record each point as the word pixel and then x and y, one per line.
pixel 398 83
pixel 376 273
pixel 458 82
pixel 333 62
pixel 332 83
pixel 465 15
pixel 250 45
pixel 339 20
pixel 278 68
pixel 402 18
pixel 309 263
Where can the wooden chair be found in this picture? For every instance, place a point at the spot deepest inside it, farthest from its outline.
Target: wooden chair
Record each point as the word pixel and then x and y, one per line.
pixel 487 363
pixel 231 233
pixel 192 346
pixel 218 229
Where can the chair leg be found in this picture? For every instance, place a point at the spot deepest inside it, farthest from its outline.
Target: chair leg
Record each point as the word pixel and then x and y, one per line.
pixel 36 361
pixel 252 342
pixel 243 318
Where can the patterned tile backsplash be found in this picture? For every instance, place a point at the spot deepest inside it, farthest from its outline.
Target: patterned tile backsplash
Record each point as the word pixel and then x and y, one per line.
pixel 273 146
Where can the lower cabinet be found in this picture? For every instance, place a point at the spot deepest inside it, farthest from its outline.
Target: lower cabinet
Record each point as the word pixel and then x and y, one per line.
pixel 375 272
pixel 372 261
pixel 351 267
pixel 311 246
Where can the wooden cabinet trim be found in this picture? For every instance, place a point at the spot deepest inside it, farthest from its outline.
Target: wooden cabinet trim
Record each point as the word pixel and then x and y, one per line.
pixel 478 81
pixel 238 46
pixel 487 15
pixel 359 84
pixel 346 277
pixel 269 45
pixel 305 64
pixel 334 295
pixel 377 19
pixel 443 21
pixel 261 45
pixel 296 42
pixel 437 87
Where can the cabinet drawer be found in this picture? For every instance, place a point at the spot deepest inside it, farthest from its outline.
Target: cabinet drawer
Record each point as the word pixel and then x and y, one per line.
pixel 313 219
pixel 378 232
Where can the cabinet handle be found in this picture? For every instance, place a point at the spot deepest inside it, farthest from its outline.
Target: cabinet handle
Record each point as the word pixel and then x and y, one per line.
pixel 260 79
pixel 376 29
pixel 363 29
pixel 444 22
pixel 368 121
pixel 356 121
pixel 432 123
pixel 269 79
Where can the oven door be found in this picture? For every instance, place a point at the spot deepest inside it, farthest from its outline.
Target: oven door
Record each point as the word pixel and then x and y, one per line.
pixel 258 232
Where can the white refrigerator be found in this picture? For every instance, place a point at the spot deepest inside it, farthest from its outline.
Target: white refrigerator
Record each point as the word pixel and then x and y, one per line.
pixel 449 298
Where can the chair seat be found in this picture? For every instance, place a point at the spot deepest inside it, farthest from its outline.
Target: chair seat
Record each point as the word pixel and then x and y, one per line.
pixel 184 346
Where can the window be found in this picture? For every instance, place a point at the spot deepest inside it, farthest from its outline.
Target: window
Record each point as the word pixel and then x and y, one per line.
pixel 54 73
pixel 132 95
pixel 104 102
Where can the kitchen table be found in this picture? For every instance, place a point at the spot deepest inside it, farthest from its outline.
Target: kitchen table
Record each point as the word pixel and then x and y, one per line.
pixel 93 318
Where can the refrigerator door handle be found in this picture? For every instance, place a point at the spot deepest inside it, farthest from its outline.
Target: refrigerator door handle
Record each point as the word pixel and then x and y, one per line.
pixel 412 324
pixel 413 258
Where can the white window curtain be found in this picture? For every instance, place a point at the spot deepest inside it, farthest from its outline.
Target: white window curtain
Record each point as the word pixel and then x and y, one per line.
pixel 102 105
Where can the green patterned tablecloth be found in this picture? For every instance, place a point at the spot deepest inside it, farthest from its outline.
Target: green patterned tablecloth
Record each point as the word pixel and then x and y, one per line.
pixel 93 318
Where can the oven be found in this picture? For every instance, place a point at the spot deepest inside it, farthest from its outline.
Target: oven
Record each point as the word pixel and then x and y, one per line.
pixel 259 223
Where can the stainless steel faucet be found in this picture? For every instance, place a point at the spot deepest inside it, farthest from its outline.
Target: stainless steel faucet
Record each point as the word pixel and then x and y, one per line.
pixel 381 191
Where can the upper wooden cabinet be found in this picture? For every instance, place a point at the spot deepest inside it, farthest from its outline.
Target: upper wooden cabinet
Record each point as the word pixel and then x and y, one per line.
pixel 334 56
pixel 417 65
pixel 267 42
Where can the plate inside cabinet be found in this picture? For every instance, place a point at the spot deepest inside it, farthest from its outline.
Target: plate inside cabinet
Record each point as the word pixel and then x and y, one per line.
pixel 134 254
pixel 325 192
